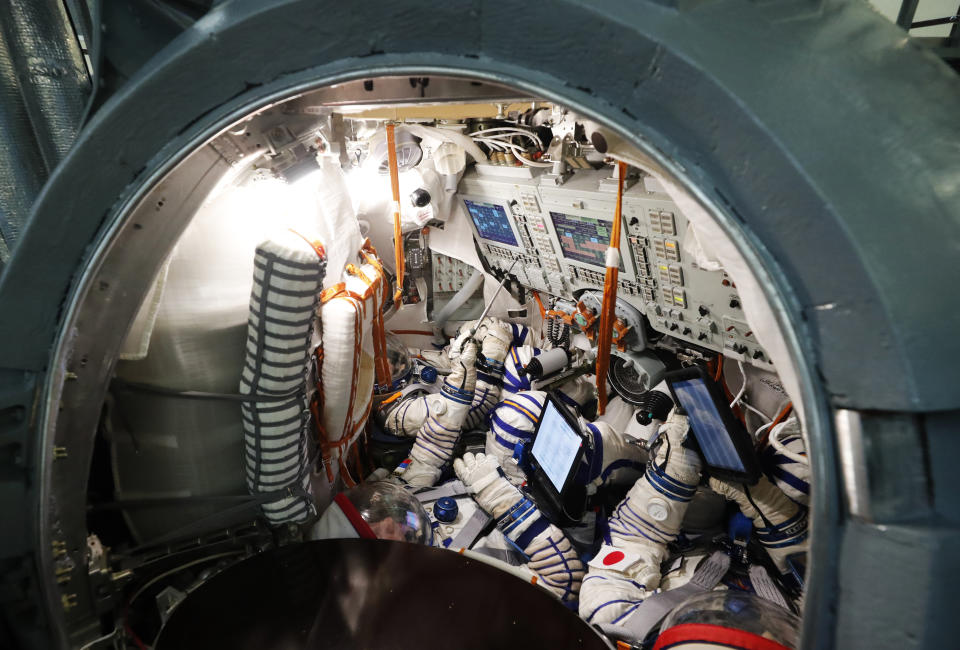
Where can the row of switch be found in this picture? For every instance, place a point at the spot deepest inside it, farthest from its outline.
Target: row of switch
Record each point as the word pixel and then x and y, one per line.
pixel 449 273
pixel 662 222
pixel 667 249
pixel 670 274
pixel 674 296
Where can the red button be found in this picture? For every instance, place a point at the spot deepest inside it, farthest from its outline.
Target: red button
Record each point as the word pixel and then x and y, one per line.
pixel 612 558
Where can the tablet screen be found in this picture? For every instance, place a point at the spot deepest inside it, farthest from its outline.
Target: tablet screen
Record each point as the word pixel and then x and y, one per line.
pixel 556 445
pixel 712 435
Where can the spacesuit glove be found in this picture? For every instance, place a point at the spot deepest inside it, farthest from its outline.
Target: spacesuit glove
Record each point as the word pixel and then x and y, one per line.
pixel 780 525
pixel 553 558
pixel 628 567
pixel 495 337
pixel 441 428
pixel 550 554
pixel 650 514
pixel 480 474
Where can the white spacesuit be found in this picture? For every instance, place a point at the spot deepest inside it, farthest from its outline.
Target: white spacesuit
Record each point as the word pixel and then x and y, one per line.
pixel 625 587
pixel 441 428
pixel 609 457
pixel 626 572
pixel 549 553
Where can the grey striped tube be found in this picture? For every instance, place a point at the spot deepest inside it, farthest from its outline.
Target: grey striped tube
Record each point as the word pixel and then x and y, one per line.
pixel 287 278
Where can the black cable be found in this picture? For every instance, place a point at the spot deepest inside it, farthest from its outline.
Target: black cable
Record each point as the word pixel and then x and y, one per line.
pixel 767 522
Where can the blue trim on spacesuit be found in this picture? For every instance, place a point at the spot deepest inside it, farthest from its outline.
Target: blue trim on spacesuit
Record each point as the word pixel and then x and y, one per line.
pixel 525 538
pixel 519 333
pixel 669 487
pixel 792 531
pixel 792 480
pixel 610 602
pixel 455 394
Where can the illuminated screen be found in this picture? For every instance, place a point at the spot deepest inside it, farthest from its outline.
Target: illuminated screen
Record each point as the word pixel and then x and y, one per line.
pixel 491 222
pixel 707 425
pixel 555 447
pixel 583 239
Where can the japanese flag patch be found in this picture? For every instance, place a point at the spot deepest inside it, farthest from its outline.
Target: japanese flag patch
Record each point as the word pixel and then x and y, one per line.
pixel 614 559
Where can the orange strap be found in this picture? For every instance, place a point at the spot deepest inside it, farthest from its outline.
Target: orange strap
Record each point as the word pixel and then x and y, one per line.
pixel 395 187
pixel 719 374
pixel 412 332
pixel 608 310
pixel 314 244
pixel 543 312
pixel 777 420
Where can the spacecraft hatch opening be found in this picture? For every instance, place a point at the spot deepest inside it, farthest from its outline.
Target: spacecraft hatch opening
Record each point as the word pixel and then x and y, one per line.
pixel 330 289
pixel 269 362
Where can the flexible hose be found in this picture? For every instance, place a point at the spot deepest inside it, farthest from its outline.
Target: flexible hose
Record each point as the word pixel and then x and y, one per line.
pixel 774 440
pixel 474 282
pixel 653 405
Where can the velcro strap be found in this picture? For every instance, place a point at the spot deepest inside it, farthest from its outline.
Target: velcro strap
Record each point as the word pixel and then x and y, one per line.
pixel 471 530
pixel 454 488
pixel 482 482
pixel 764 586
pixel 519 512
pixel 638 622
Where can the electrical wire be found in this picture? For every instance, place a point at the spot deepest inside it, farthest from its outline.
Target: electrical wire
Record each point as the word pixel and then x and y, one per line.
pixel 497 142
pixel 766 417
pixel 777 420
pixel 517 151
pixel 508 130
pixel 774 439
pixel 757 434
pixel 152 581
pixel 126 610
pixel 743 388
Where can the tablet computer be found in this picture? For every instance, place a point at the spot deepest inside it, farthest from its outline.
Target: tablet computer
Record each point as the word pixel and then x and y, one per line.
pixel 723 442
pixel 557 450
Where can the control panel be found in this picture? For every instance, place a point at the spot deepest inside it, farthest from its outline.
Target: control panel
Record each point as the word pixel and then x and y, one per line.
pixel 560 233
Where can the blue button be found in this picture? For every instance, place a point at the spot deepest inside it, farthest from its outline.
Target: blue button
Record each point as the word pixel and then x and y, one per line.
pixel 445 509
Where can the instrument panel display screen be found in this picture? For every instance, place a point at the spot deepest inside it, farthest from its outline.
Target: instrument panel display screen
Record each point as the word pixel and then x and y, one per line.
pixel 583 239
pixel 491 222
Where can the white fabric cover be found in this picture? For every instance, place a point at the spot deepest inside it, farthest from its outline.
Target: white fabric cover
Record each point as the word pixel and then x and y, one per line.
pixel 552 556
pixel 333 524
pixel 627 569
pixel 347 362
pixel 287 277
pixel 409 414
